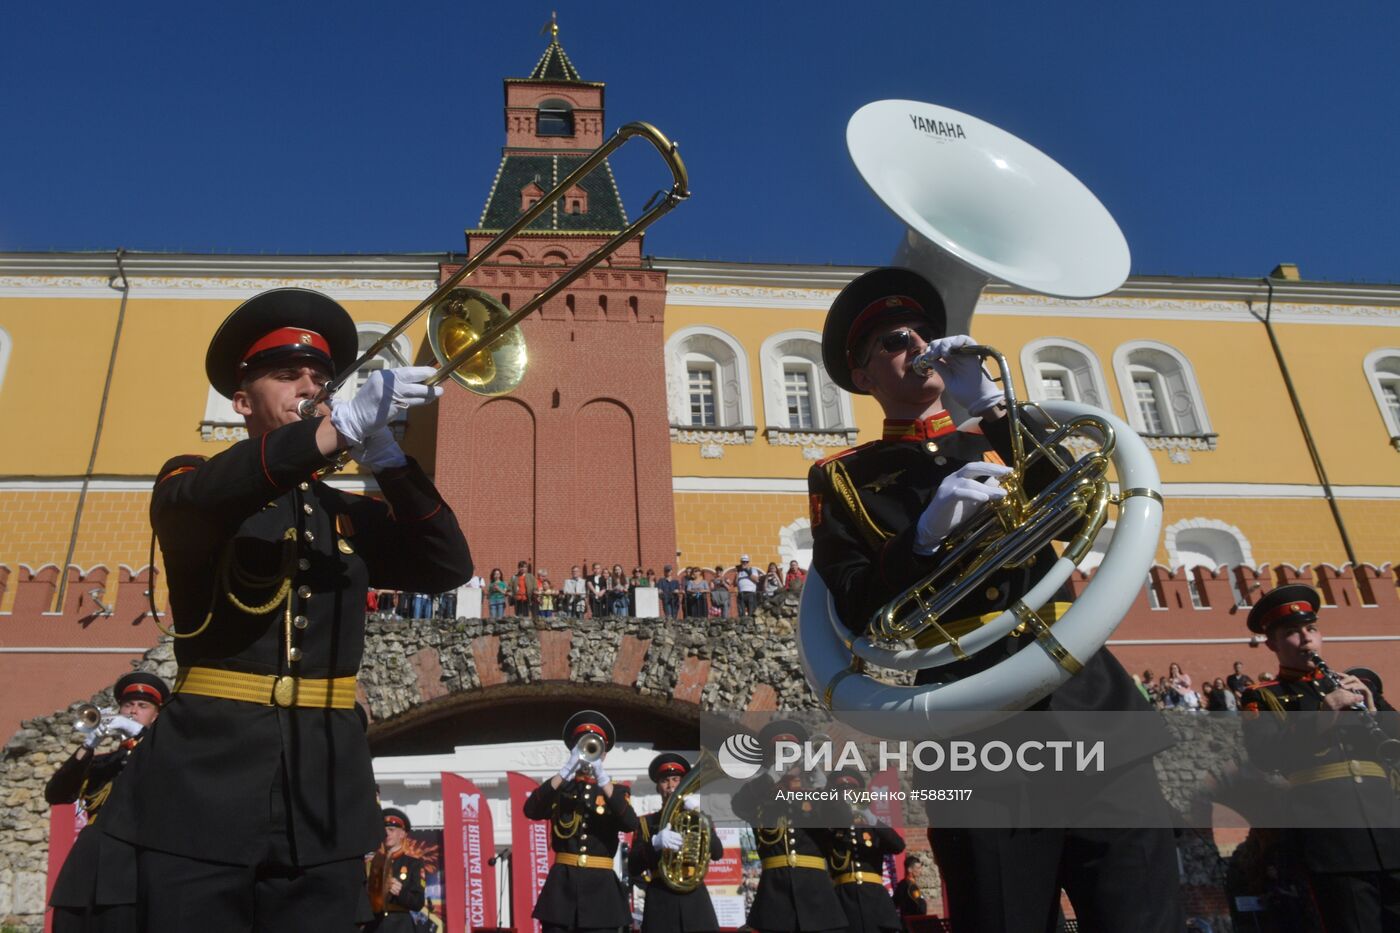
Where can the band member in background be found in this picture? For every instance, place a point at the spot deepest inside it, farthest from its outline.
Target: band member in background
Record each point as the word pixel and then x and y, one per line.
pixel 96 889
pixel 397 880
pixel 586 811
pixel 794 891
pixel 669 911
pixel 253 803
pixel 1333 764
pixel 856 854
pixel 881 514
pixel 908 897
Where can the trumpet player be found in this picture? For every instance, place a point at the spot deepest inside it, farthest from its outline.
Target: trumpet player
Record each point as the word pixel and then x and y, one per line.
pixel 794 890
pixel 667 910
pixel 397 880
pixel 1333 764
pixel 856 854
pixel 86 900
pixel 586 811
pixel 881 515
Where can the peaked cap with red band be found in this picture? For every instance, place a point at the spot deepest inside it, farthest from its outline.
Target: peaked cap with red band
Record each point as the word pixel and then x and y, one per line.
pixel 865 302
pixel 1292 603
pixel 667 764
pixel 589 720
pixel 283 323
pixel 139 685
pixel 396 817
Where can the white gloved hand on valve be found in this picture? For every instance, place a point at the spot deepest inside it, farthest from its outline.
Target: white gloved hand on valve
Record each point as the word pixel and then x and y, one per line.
pixel 92 734
pixel 692 802
pixel 384 392
pixel 379 452
pixel 667 839
pixel 570 767
pixel 964 380
pixel 128 726
pixel 958 497
pixel 600 775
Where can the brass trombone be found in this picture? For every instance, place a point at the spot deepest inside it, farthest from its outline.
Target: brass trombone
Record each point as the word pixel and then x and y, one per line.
pixel 465 322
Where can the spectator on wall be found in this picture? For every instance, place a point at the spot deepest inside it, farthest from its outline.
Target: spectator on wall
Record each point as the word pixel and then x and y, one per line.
pixel 1239 681
pixel 575 592
pixel 497 592
pixel 670 590
pixel 598 592
pixel 697 595
pixel 634 583
pixel 772 588
pixel 522 589
pixel 617 592
pixel 1224 697
pixel 796 578
pixel 544 595
pixel 746 580
pixel 719 594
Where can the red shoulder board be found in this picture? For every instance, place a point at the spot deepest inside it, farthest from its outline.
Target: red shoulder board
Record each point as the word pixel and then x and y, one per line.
pixel 845 453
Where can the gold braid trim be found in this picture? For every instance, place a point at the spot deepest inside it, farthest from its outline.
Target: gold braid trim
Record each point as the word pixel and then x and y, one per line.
pixel 93 803
pixel 227 569
pixel 846 490
pixel 1271 702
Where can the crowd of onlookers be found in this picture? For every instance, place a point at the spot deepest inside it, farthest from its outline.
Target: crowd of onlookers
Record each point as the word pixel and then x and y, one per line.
pixel 1176 690
pixel 691 593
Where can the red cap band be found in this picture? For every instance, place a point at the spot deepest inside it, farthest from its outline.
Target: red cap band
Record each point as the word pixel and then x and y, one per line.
pixel 785 737
pixel 394 821
pixel 141 692
pixel 289 337
pixel 593 728
pixel 671 767
pixel 1287 609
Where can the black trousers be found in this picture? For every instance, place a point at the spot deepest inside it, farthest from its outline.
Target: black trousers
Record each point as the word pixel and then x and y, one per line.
pixel 1357 902
pixel 118 918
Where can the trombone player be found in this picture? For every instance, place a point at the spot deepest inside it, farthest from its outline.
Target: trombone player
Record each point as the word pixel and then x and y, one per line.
pixel 880 515
pixel 253 802
pixel 668 910
pixel 586 811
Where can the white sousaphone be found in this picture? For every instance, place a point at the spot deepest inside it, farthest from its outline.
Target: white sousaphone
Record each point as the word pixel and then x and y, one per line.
pixel 981 204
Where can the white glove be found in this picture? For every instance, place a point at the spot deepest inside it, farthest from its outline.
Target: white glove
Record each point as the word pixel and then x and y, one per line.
pixel 600 775
pixel 92 734
pixel 571 766
pixel 384 392
pixel 667 839
pixel 129 726
pixel 379 452
pixel 964 380
pixel 692 802
pixel 958 497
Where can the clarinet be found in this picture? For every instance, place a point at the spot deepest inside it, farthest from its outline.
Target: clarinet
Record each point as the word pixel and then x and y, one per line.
pixel 1387 749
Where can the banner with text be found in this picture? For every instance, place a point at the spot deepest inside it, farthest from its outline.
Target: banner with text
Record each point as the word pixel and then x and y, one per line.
pixel 530 854
pixel 468 842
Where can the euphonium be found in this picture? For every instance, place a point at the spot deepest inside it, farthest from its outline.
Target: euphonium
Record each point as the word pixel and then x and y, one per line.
pixel 683 870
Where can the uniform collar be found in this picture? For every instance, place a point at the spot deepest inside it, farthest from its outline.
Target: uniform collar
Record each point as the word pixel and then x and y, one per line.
pixel 1293 673
pixel 922 429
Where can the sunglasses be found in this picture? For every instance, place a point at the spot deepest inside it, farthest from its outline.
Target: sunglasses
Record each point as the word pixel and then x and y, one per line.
pixel 901 340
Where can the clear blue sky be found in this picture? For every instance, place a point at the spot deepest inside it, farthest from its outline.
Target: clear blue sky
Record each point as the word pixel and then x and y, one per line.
pixel 1225 137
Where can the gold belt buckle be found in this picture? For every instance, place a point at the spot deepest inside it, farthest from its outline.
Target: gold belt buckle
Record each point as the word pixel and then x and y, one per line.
pixel 583 860
pixel 792 860
pixel 1354 767
pixel 284 691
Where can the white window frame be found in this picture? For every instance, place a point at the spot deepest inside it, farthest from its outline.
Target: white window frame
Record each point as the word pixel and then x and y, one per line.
pixel 6 342
pixel 1381 366
pixel 1172 536
pixel 1137 356
pixel 831 405
pixel 1079 363
pixel 699 361
pixel 733 396
pixel 805 366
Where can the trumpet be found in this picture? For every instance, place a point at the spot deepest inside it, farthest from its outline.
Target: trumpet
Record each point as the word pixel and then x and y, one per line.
pixel 1387 748
pixel 91 718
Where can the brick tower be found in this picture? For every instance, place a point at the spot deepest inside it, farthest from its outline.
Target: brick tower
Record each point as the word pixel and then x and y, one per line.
pixel 575 464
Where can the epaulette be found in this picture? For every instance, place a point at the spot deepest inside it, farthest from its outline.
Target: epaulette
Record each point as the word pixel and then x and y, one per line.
pixel 845 453
pixel 181 464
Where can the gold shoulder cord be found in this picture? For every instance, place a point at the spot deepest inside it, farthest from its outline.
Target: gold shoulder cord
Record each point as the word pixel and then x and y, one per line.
pixel 771 837
pixel 841 482
pixel 93 803
pixel 564 827
pixel 227 569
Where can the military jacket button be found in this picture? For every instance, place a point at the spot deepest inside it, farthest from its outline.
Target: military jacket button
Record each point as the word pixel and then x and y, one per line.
pixel 306 507
pixel 301 621
pixel 940 460
pixel 304 592
pixel 308 535
pixel 303 486
pixel 303 564
pixel 992 592
pixel 294 654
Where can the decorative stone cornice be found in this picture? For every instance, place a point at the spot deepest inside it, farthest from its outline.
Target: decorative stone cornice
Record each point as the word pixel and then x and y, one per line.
pixel 1177 445
pixel 729 436
pixel 812 441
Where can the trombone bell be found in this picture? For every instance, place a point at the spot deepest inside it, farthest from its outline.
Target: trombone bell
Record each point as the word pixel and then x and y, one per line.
pixel 459 320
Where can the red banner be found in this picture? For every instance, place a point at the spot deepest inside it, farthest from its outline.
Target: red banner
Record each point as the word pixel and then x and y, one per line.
pixel 468 841
pixel 887 809
pixel 65 822
pixel 530 855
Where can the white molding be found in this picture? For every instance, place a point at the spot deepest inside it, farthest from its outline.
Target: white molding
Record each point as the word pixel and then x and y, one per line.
pixel 364 485
pixel 6 343
pixel 234 289
pixel 742 484
pixel 771 355
pixel 1127 396
pixel 738 484
pixel 677 394
pixel 1373 380
pixel 1174 530
pixel 1030 372
pixel 787 542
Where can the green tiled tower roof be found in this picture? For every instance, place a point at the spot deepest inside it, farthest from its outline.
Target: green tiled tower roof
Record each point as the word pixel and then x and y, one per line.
pixel 605 212
pixel 554 64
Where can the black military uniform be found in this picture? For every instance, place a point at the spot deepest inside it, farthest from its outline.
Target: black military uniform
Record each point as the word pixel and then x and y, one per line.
pixel 95 891
pixel 856 854
pixel 260 759
pixel 582 892
pixel 908 896
pixel 1335 777
pixel 669 911
pixel 393 912
pixel 794 891
pixel 865 505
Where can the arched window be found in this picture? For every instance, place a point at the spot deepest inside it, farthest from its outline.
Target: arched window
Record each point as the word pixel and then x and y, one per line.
pixel 5 344
pixel 795 543
pixel 1205 542
pixel 554 118
pixel 1382 372
pixel 707 385
pixel 1162 399
pixel 797 395
pixel 222 423
pixel 1056 368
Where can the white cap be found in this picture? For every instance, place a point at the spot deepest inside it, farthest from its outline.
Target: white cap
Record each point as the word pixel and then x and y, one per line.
pixel 743 558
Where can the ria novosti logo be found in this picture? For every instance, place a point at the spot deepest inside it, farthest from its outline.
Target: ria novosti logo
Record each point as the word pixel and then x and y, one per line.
pixel 741 757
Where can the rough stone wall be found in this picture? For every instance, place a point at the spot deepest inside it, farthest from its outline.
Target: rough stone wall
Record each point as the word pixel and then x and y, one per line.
pixel 708 664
